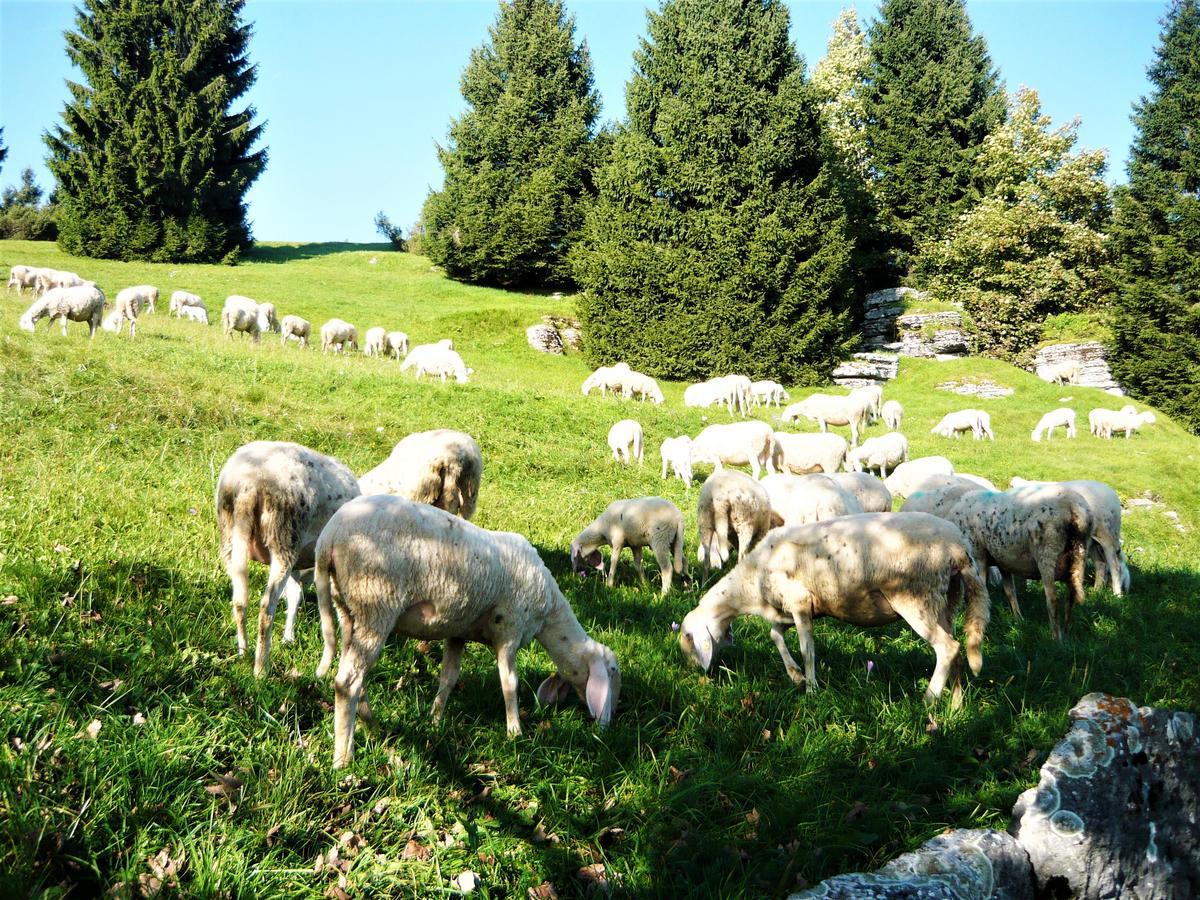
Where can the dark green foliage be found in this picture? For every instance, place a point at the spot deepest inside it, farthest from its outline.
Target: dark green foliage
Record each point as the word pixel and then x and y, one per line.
pixel 393 233
pixel 23 216
pixel 3 149
pixel 519 160
pixel 1157 232
pixel 719 241
pixel 932 97
pixel 151 161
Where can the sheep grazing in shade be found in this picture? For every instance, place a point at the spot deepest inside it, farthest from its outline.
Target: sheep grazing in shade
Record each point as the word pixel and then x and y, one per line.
pixel 800 499
pixel 126 308
pixel 273 498
pixel 83 303
pixel 606 378
pixel 375 340
pixel 884 452
pixel 1062 417
pixel 827 409
pixel 677 453
pixel 145 295
pixel 181 300
pixel 337 334
pixel 395 567
pixel 867 570
pixel 733 507
pixel 804 453
pixel 296 329
pixel 396 343
pixel 736 444
pixel 241 314
pixel 871 493
pixel 442 468
pixel 436 359
pixel 21 277
pixel 938 495
pixel 893 414
pixel 625 440
pixel 1106 422
pixel 768 392
pixel 194 314
pixel 1060 373
pixel 908 476
pixel 644 522
pixel 976 421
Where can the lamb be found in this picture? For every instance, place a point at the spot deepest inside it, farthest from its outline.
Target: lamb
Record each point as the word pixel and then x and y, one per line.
pixel 1060 373
pixel 126 307
pixel 181 300
pixel 1063 416
pixel 643 522
pixel 21 277
pixel 1041 531
pixel 295 328
pixel 893 414
pixel 732 505
pixel 83 303
pixel 396 343
pixel 976 421
pixel 908 476
pixel 241 314
pixel 677 451
pixel 392 566
pixel 338 334
pixel 635 384
pixel 768 392
pixel 273 498
pixel 803 453
pixel 798 500
pixel 194 314
pixel 625 440
pixel 48 279
pixel 868 570
pixel 887 450
pixel 872 394
pixel 146 296
pixel 1104 422
pixel 375 340
pixel 736 444
pixel 868 490
pixel 827 409
pixel 1105 551
pixel 436 359
pixel 442 467
pixel 606 378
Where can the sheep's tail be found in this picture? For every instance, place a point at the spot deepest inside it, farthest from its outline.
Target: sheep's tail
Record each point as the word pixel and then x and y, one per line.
pixel 324 575
pixel 677 549
pixel 1079 539
pixel 237 514
pixel 977 612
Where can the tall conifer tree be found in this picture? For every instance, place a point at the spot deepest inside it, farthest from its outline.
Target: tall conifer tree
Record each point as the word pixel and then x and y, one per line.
pixel 3 150
pixel 1157 231
pixel 518 164
pixel 719 239
pixel 151 160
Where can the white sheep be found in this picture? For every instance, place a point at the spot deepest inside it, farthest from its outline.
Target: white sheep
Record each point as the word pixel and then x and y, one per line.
pixel 677 452
pixel 803 453
pixel 442 467
pixel 146 296
pixel 768 392
pixel 392 566
pixel 374 341
pixel 606 378
pixel 48 279
pixel 938 495
pixel 976 421
pixel 268 320
pixel 126 307
pixel 1061 417
pixel 893 414
pixel 625 440
pixel 800 499
pixel 273 498
pixel 872 395
pixel 644 522
pixel 82 303
pixel 436 359
pixel 883 452
pixel 296 329
pixel 1105 422
pixel 1060 373
pixel 181 300
pixel 643 387
pixel 194 314
pixel 732 507
pixel 241 314
pixel 908 476
pixel 337 334
pixel 736 444
pixel 396 343
pixel 21 277
pixel 868 570
pixel 828 409
pixel 978 479
pixel 871 493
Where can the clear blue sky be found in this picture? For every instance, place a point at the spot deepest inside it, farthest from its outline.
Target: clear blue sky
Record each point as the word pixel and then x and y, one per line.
pixel 355 94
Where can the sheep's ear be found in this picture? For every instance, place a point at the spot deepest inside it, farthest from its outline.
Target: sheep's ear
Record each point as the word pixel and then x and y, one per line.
pixel 599 691
pixel 553 690
pixel 776 519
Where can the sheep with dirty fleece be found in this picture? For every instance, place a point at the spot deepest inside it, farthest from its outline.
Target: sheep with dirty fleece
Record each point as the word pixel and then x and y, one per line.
pixel 867 570
pixel 677 453
pixel 800 499
pixel 907 477
pixel 625 440
pixel 830 409
pixel 644 522
pixel 395 567
pixel 442 467
pixel 1063 417
pixel 268 319
pixel 1060 373
pixel 640 386
pixel 733 508
pixel 296 329
pixel 882 452
pixel 976 421
pixel 736 444
pixel 804 453
pixel 938 495
pixel 870 492
pixel 82 303
pixel 125 309
pixel 49 279
pixel 272 499
pixel 872 395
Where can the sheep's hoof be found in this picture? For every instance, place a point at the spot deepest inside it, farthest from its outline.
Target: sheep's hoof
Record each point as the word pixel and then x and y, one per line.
pixel 811 687
pixel 514 731
pixel 797 676
pixel 289 637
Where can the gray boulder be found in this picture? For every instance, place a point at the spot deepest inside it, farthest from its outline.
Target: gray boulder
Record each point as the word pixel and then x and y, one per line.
pixel 544 339
pixel 867 368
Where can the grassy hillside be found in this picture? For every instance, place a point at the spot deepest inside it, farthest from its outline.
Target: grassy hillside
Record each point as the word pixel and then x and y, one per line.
pixel 116 611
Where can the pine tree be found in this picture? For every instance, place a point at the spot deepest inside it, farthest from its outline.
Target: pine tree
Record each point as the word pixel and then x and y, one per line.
pixel 3 150
pixel 519 160
pixel 1157 231
pixel 151 161
pixel 719 239
pixel 931 99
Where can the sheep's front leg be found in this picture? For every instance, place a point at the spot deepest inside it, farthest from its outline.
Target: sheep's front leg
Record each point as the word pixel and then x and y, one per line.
pixel 276 580
pixel 63 322
pixel 506 659
pixel 778 638
pixel 451 668
pixel 1010 591
pixel 617 546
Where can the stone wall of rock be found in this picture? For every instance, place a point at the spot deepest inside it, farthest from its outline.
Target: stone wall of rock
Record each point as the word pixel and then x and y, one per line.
pixel 880 310
pixel 867 368
pixel 554 335
pixel 1091 357
pixel 932 334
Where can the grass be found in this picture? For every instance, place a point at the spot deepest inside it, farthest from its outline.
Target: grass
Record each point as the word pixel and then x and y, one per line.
pixel 1063 328
pixel 729 785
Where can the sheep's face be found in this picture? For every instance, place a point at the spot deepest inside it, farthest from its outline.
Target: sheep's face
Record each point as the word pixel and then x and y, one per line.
pixel 27 323
pixel 582 565
pixel 696 638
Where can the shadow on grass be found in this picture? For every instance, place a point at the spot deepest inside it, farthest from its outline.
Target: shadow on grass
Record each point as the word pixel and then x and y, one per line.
pixel 294 252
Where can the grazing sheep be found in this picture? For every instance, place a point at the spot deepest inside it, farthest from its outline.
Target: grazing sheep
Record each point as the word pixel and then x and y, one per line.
pixel 732 506
pixel 606 378
pixel 82 303
pixel 938 495
pixel 48 279
pixel 268 320
pixel 1063 416
pixel 643 387
pixel 273 498
pixel 800 499
pixel 295 328
pixel 893 414
pixel 1041 531
pixel 436 359
pixel 126 307
pixel 803 453
pixel 827 409
pixel 146 296
pixel 395 567
pixel 396 343
pixel 1104 422
pixel 442 467
pixel 181 300
pixel 677 451
pixel 907 477
pixel 975 421
pixel 883 452
pixel 768 392
pixel 194 314
pixel 870 492
pixel 868 570
pixel 706 394
pixel 643 522
pixel 338 334
pixel 241 314
pixel 978 479
pixel 374 342
pixel 736 444
pixel 21 277
pixel 872 395
pixel 1060 373
pixel 625 440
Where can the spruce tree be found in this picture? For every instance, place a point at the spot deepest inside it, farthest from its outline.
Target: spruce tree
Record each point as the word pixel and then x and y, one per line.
pixel 518 162
pixel 3 150
pixel 151 160
pixel 1156 232
pixel 931 99
pixel 719 240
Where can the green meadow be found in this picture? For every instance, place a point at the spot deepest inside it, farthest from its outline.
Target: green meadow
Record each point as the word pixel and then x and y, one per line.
pixel 129 726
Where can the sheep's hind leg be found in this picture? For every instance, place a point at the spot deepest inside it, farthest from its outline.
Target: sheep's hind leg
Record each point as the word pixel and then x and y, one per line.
pixel 665 567
pixel 358 655
pixel 1008 580
pixel 276 580
pixel 238 567
pixel 919 616
pixel 293 590
pixel 451 669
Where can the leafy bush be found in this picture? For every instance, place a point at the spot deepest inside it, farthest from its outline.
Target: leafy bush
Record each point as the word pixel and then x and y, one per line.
pixel 394 234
